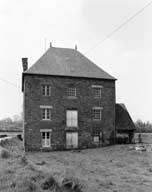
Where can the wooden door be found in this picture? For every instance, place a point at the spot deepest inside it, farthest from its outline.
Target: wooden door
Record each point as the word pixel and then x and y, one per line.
pixel 71 140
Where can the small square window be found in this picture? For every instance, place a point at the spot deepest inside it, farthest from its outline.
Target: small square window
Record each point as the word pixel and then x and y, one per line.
pixel 71 92
pixel 46 90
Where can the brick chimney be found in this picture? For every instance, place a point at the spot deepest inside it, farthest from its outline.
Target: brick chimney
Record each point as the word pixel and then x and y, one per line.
pixel 25 64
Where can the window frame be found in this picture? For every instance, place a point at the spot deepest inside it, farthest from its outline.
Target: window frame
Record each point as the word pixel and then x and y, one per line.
pixel 46 90
pixel 97 91
pixel 71 92
pixel 46 138
pixel 46 113
pixel 95 110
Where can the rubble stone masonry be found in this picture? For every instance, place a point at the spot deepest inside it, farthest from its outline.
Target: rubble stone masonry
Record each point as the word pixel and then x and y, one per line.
pixel 59 101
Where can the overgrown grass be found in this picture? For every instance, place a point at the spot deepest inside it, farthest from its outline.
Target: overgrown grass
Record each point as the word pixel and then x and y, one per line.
pixel 115 168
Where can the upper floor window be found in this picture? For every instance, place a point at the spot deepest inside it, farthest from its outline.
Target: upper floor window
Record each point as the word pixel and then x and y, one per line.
pixel 97 91
pixel 97 113
pixel 71 92
pixel 46 112
pixel 72 118
pixel 46 90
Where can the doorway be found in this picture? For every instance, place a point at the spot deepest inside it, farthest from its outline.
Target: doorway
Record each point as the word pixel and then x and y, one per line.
pixel 71 140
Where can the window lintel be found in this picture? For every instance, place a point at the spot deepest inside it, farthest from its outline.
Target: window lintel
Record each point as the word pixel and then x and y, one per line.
pixel 96 86
pixel 46 107
pixel 45 130
pixel 97 108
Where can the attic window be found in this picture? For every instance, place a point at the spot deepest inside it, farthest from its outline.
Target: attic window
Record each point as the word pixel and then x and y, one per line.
pixel 46 90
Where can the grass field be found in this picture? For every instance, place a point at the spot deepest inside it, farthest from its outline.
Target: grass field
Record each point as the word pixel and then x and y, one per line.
pixel 146 137
pixel 118 168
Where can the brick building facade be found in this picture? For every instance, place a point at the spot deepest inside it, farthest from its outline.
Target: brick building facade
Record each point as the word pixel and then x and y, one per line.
pixel 69 102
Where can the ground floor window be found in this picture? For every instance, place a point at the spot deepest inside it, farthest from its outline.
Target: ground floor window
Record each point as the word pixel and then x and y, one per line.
pixel 97 137
pixel 46 138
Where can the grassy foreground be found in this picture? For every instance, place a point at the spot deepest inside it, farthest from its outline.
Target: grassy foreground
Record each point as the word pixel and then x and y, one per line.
pixel 110 169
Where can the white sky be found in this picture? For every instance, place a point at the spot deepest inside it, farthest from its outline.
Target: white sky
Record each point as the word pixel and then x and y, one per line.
pixel 127 55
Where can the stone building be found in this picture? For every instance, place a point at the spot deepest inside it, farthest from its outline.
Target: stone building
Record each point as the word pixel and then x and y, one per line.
pixel 69 102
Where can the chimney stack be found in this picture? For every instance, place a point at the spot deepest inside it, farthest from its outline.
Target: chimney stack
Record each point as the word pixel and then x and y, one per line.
pixel 25 64
pixel 76 47
pixel 50 44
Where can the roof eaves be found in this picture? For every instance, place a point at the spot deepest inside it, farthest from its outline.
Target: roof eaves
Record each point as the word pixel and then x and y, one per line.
pixel 41 74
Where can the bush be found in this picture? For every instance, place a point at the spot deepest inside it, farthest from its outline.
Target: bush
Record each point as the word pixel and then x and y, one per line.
pixel 72 184
pixel 50 183
pixel 4 153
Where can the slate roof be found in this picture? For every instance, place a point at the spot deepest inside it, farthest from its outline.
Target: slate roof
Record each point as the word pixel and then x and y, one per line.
pixel 67 62
pixel 123 120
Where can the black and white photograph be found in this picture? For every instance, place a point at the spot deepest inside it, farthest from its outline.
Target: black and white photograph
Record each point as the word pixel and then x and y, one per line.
pixel 75 96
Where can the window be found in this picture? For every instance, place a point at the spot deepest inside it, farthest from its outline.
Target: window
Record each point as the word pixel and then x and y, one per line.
pixel 71 92
pixel 46 137
pixel 46 90
pixel 46 112
pixel 97 137
pixel 97 113
pixel 97 91
pixel 72 118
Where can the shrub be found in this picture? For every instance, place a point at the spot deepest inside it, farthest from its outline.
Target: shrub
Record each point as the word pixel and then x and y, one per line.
pixel 72 184
pixel 50 183
pixel 4 153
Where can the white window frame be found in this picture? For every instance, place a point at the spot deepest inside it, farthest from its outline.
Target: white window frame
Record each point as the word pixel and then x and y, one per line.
pixel 97 90
pixel 97 111
pixel 45 138
pixel 71 92
pixel 72 118
pixel 46 89
pixel 45 112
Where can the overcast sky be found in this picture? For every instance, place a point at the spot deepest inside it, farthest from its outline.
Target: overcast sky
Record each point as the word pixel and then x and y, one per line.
pixel 127 54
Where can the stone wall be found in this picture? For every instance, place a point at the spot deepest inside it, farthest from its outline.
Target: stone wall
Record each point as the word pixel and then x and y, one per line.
pixel 84 102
